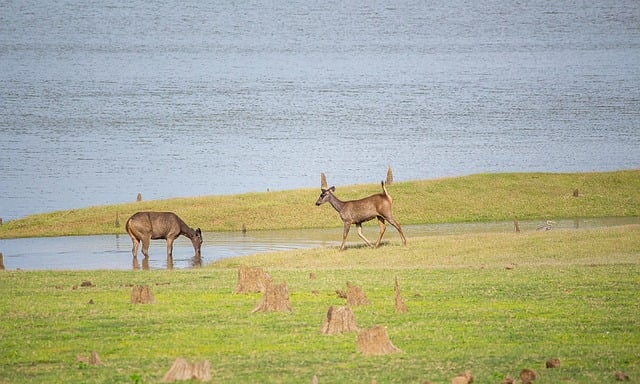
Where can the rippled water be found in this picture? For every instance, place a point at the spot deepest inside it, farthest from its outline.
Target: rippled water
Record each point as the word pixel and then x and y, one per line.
pixel 102 100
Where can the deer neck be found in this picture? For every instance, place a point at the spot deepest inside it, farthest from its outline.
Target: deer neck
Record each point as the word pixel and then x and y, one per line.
pixel 336 203
pixel 187 231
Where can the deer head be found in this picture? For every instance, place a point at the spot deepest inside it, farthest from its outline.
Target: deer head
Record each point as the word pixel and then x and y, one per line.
pixel 325 195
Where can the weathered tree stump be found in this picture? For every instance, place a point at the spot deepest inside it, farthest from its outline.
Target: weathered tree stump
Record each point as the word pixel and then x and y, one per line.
pixel 553 363
pixel 92 359
pixel 375 342
pixel 139 197
pixel 339 320
pixel 274 299
pixel 389 180
pixel 508 380
pixel 355 295
pixel 251 280
pixel 401 307
pixel 576 193
pixel 141 294
pixel 515 224
pixel 621 376
pixel 183 370
pixel 1 262
pixel 527 376
pixel 117 222
pixel 463 378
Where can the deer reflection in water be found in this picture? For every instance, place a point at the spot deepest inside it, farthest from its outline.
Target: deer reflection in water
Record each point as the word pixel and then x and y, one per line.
pixel 143 227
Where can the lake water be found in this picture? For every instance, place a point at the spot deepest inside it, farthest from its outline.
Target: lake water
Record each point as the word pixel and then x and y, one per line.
pixel 114 252
pixel 102 100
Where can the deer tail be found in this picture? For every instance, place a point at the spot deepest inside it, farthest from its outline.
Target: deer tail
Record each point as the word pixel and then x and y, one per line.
pixel 384 190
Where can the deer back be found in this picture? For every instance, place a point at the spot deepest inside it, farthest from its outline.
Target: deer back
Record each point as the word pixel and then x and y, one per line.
pixel 157 225
pixel 366 208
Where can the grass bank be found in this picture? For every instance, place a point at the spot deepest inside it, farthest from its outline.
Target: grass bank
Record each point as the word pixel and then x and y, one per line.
pixel 490 303
pixel 483 197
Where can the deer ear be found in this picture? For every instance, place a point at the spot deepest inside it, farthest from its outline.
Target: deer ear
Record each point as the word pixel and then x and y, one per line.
pixel 333 188
pixel 198 231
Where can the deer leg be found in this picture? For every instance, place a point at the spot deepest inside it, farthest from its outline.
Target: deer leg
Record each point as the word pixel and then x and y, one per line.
pixel 397 226
pixel 383 228
pixel 359 226
pixel 345 232
pixel 134 250
pixel 145 247
pixel 169 248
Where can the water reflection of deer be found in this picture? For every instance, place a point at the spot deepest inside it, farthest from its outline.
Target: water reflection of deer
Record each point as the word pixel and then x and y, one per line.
pixel 143 227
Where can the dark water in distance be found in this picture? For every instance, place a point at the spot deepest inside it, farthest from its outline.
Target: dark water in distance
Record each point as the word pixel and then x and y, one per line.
pixel 102 100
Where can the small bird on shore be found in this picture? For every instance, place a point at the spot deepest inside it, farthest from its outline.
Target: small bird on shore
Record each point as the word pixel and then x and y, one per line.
pixel 546 226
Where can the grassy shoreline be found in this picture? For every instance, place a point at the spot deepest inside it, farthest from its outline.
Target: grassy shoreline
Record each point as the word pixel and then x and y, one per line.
pixel 491 303
pixel 474 198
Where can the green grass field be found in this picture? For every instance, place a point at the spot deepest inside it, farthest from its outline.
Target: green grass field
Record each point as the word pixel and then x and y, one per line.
pixel 490 303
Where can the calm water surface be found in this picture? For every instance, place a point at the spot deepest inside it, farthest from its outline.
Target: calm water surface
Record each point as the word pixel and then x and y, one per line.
pixel 102 100
pixel 114 252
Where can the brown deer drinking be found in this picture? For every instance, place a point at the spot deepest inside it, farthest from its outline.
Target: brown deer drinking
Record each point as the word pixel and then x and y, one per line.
pixel 146 226
pixel 358 211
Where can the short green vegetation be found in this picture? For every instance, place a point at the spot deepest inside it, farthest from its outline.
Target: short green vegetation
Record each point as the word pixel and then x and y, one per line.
pixel 490 303
pixel 486 197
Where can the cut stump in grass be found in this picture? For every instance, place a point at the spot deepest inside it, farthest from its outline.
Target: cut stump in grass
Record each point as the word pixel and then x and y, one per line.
pixel 92 359
pixel 401 307
pixel 355 295
pixel 463 378
pixel 621 376
pixel 183 370
pixel 274 299
pixel 252 280
pixel 508 380
pixel 1 262
pixel 375 342
pixel 527 376
pixel 553 363
pixel 141 294
pixel 339 320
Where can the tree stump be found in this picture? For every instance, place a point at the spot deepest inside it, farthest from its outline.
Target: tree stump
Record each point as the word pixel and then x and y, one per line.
pixel 274 299
pixel 339 320
pixel 463 378
pixel 527 376
pixel 183 370
pixel 252 280
pixel 508 380
pixel 375 342
pixel 553 363
pixel 621 376
pixel 141 294
pixel 401 307
pixel 355 295
pixel 1 262
pixel 93 359
pixel 389 180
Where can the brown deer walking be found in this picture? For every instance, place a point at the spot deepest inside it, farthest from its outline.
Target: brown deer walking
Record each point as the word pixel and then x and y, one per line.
pixel 146 226
pixel 358 211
